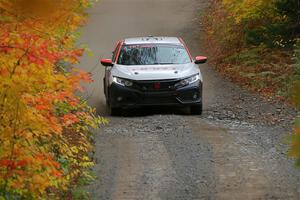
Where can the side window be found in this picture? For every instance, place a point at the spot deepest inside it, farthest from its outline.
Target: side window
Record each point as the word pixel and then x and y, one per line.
pixel 115 52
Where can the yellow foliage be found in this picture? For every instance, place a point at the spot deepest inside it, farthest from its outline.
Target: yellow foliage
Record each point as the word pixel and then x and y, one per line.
pixel 44 128
pixel 240 10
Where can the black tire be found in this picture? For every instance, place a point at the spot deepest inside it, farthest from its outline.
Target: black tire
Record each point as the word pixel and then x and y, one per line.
pixel 112 111
pixel 115 111
pixel 104 86
pixel 196 109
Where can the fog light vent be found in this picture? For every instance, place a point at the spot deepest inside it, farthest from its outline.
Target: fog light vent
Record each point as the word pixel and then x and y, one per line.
pixel 195 96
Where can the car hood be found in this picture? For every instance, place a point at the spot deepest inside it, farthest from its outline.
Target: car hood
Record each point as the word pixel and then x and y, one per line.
pixel 154 72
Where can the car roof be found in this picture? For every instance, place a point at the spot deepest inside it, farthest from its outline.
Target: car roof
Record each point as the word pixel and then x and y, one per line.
pixel 153 40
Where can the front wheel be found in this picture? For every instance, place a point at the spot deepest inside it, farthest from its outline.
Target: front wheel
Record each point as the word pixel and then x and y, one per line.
pixel 196 109
pixel 113 111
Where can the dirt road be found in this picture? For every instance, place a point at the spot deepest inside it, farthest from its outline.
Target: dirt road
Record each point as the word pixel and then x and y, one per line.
pixel 234 151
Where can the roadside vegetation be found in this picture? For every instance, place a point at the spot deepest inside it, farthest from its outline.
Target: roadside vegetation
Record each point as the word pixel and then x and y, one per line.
pixel 256 43
pixel 295 149
pixel 45 129
pixel 253 43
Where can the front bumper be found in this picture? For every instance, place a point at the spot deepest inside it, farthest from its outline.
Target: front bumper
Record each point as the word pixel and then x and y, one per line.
pixel 126 97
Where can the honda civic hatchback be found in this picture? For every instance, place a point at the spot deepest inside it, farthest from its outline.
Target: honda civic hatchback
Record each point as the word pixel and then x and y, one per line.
pixel 152 71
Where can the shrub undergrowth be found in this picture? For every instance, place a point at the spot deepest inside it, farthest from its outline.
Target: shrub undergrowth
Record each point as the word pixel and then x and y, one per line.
pixel 45 129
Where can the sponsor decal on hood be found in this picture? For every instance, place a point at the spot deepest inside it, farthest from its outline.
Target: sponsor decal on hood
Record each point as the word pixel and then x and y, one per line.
pixel 152 68
pixel 153 72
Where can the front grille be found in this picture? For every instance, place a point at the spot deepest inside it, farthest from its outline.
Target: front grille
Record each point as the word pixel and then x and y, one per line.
pixel 149 86
pixel 159 100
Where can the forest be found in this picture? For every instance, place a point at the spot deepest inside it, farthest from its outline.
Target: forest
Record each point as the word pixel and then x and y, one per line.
pixel 45 129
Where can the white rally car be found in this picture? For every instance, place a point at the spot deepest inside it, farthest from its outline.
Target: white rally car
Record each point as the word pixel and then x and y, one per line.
pixel 152 71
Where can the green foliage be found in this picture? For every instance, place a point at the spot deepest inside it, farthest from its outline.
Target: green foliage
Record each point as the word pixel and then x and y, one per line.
pixel 274 23
pixel 290 9
pixel 252 41
pixel 297 60
pixel 248 57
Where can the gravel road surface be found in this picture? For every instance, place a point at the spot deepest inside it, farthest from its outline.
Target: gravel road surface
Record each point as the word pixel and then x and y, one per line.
pixel 235 150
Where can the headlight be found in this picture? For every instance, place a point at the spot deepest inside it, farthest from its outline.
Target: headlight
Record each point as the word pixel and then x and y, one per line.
pixel 188 81
pixel 122 81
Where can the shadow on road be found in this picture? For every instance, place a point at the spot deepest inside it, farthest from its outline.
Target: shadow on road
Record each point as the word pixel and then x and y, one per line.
pixel 147 111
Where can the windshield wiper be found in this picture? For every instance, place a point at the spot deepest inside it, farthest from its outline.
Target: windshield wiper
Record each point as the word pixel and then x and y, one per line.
pixel 164 63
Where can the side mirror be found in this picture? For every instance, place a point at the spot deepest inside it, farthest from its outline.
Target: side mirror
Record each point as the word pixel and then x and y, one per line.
pixel 106 62
pixel 200 60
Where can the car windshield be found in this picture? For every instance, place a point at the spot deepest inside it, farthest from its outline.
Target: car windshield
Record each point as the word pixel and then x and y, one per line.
pixel 153 54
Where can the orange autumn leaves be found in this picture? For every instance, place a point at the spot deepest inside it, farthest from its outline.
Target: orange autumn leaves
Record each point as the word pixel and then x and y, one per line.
pixel 45 130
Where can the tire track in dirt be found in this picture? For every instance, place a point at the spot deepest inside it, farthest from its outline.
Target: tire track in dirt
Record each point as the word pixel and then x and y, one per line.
pixel 142 166
pixel 238 176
